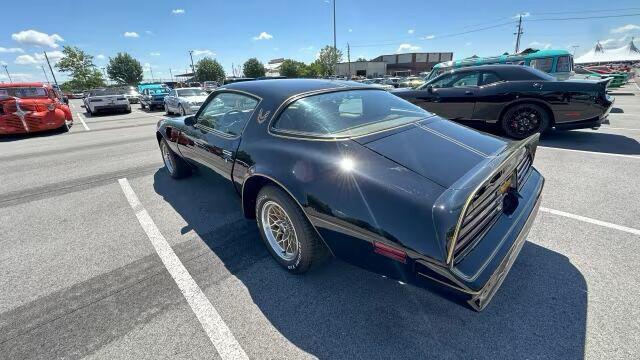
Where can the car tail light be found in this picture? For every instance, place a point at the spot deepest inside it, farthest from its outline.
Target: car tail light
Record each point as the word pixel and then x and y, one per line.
pixel 390 252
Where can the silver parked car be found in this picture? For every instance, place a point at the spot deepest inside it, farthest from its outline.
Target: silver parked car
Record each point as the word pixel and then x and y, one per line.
pixel 184 101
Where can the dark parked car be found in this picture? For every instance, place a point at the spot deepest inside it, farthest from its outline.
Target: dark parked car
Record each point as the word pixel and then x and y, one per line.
pixel 337 167
pixel 519 99
pixel 153 98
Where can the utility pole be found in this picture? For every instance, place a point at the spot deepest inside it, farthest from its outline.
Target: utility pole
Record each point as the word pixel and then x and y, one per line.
pixel 518 33
pixel 171 75
pixel 335 49
pixel 7 71
pixel 349 60
pixel 44 72
pixel 51 69
pixel 193 68
pixel 151 71
pixel 104 72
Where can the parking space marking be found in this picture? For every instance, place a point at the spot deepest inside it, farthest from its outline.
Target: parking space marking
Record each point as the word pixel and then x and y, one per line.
pixel 591 221
pixel 213 324
pixel 82 121
pixel 636 84
pixel 592 152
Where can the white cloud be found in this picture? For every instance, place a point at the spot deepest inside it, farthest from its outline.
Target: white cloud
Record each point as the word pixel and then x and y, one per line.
pixel 523 14
pixel 154 53
pixel 350 30
pixel 411 31
pixel 407 47
pixel 468 43
pixel 37 38
pixel 613 42
pixel 539 45
pixel 100 57
pixel 626 28
pixel 263 36
pixel 203 52
pixel 131 34
pixel 307 48
pixel 149 32
pixel 38 58
pixel 3 63
pixel 428 37
pixel 17 76
pixel 10 50
pixel 178 11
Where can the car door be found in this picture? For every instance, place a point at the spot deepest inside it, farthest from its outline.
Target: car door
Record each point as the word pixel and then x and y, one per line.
pixel 455 98
pixel 216 135
pixel 490 97
pixel 169 99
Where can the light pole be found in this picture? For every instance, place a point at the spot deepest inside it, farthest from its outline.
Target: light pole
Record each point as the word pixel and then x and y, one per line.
pixel 104 72
pixel 55 81
pixel 335 49
pixel 44 72
pixel 7 71
pixel 171 73
pixel 574 49
pixel 193 68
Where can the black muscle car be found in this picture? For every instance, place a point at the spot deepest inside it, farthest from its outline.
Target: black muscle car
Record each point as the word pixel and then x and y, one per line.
pixel 519 99
pixel 342 168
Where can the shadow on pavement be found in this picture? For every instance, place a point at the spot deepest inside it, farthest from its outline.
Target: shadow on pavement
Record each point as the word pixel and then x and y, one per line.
pixel 341 311
pixel 616 110
pixel 592 141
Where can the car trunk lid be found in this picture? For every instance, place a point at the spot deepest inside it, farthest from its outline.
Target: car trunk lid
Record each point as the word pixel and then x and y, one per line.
pixel 437 149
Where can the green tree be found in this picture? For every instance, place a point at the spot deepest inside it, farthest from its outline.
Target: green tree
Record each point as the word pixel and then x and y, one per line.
pixel 361 59
pixel 327 60
pixel 253 68
pixel 80 67
pixel 312 70
pixel 208 69
pixel 124 69
pixel 292 69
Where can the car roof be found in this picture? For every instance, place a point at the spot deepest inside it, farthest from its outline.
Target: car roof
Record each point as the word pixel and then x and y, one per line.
pixel 25 84
pixel 279 90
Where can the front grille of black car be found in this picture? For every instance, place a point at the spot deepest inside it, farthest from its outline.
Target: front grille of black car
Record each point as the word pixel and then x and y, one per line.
pixel 486 205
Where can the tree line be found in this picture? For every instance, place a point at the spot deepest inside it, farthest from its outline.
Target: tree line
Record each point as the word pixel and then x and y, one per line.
pixel 124 69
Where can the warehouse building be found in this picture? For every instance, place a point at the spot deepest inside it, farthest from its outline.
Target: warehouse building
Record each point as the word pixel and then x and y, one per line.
pixel 369 69
pixel 412 63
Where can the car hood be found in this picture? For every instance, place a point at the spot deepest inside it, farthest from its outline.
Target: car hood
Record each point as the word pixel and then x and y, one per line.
pixel 437 149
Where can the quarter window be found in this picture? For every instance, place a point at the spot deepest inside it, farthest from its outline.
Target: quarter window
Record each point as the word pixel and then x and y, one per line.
pixel 227 113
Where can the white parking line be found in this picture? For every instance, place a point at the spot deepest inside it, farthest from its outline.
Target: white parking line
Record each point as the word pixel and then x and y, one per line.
pixel 218 332
pixel 82 121
pixel 592 152
pixel 591 221
pixel 636 84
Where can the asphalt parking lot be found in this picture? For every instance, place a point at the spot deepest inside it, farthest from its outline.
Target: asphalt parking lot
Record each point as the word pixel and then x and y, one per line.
pixel 80 277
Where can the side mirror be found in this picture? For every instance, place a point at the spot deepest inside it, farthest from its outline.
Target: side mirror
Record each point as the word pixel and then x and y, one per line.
pixel 190 120
pixel 429 89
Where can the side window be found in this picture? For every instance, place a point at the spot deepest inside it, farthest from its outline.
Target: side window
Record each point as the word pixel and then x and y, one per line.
pixel 443 82
pixel 544 64
pixel 469 79
pixel 489 78
pixel 228 113
pixel 564 64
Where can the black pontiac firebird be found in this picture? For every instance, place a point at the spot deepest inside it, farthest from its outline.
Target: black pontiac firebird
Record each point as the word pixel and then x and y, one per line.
pixel 520 100
pixel 337 167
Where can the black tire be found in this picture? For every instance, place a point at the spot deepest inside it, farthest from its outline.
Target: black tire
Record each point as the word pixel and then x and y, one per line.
pixel 310 248
pixel 178 168
pixel 142 105
pixel 89 111
pixel 64 128
pixel 523 120
pixel 182 112
pixel 128 111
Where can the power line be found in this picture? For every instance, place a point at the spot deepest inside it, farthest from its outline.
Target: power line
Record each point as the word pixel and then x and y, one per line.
pixel 584 11
pixel 585 17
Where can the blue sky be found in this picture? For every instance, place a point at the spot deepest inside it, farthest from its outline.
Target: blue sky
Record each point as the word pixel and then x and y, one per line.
pixel 160 33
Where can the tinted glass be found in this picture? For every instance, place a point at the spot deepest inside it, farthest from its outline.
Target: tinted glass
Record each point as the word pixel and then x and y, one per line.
pixel 347 113
pixel 489 78
pixel 544 64
pixel 535 74
pixel 456 80
pixel 564 64
pixel 228 113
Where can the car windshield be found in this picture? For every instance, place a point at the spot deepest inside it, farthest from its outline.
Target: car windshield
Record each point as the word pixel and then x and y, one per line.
pixel 347 113
pixel 160 91
pixel 191 92
pixel 24 92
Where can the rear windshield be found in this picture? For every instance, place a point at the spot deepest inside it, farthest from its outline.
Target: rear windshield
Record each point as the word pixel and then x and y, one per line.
pixel 24 92
pixel 347 113
pixel 103 92
pixel 158 91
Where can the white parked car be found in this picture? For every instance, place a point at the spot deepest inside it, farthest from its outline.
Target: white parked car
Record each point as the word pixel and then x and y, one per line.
pixel 106 100
pixel 184 101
